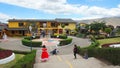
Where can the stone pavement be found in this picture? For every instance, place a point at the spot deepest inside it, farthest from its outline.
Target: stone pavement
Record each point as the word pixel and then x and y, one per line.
pixel 68 61
pixel 13 44
pixel 63 60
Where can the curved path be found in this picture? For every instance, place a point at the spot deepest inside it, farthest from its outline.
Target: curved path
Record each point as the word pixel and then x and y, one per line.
pixel 15 44
pixel 68 49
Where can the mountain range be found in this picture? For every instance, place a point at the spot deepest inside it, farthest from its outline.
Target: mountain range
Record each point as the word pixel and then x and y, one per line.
pixel 115 21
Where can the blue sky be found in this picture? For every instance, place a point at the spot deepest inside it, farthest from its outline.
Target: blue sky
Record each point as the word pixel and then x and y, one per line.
pixel 51 9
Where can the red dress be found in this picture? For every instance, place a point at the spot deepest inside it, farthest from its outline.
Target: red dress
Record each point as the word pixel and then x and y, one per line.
pixel 44 55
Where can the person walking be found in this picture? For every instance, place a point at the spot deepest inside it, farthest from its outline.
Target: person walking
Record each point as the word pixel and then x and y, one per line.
pixel 44 55
pixel 75 50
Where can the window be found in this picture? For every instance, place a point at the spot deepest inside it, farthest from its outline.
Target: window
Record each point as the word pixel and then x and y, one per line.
pixel 13 32
pixel 21 24
pixel 20 32
pixel 43 24
pixel 54 24
pixel 66 24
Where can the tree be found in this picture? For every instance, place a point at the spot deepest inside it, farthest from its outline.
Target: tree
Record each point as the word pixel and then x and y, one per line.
pixel 96 26
pixel 118 31
pixel 108 30
pixel 62 25
pixel 110 26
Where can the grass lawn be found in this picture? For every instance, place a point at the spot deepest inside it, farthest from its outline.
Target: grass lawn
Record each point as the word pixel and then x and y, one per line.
pixel 8 65
pixel 109 40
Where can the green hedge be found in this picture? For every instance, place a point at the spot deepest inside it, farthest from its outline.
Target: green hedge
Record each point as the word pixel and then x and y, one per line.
pixel 18 52
pixel 59 36
pixel 81 35
pixel 27 42
pixel 65 41
pixel 94 44
pixel 28 37
pixel 110 54
pixel 27 61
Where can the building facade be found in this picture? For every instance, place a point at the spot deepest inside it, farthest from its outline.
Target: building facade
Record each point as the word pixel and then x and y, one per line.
pixel 20 27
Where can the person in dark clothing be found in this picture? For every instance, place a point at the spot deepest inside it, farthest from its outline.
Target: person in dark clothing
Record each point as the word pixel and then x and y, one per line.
pixel 54 52
pixel 75 50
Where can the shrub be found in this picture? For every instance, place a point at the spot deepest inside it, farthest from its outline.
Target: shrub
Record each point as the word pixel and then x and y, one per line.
pixel 27 61
pixel 21 52
pixel 61 36
pixel 31 43
pixel 27 37
pixel 37 37
pixel 110 54
pixel 92 38
pixel 94 44
pixel 65 41
pixel 80 35
pixel 100 37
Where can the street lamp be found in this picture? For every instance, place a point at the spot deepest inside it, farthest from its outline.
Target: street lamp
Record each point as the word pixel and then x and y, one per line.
pixel 30 29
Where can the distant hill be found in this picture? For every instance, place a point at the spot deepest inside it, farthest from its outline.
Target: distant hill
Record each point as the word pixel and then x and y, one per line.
pixel 115 21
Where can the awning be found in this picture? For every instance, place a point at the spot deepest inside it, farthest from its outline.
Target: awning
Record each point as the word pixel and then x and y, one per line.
pixel 17 29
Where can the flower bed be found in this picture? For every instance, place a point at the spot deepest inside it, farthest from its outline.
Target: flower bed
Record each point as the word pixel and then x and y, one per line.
pixel 5 53
pixel 108 45
pixel 6 56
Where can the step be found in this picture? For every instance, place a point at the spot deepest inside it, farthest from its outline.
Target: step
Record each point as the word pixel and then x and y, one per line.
pixel 87 63
pixel 76 63
pixel 68 61
pixel 51 65
pixel 111 66
pixel 59 58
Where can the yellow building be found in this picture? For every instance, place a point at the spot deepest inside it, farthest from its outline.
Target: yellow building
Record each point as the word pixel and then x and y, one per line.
pixel 20 27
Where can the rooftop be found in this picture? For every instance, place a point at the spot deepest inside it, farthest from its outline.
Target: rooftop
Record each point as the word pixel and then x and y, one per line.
pixel 43 20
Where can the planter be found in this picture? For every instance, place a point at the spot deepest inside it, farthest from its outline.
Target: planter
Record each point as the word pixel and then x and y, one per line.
pixel 7 59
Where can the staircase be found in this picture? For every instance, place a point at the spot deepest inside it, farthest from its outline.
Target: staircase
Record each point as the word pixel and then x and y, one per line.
pixel 68 61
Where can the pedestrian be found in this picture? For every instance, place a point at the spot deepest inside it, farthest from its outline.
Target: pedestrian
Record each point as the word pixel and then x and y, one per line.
pixel 54 52
pixel 43 33
pixel 86 55
pixel 75 50
pixel 44 55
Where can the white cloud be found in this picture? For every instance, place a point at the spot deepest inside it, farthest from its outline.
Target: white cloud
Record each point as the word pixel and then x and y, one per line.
pixel 63 7
pixel 119 5
pixel 84 18
pixel 95 0
pixel 4 18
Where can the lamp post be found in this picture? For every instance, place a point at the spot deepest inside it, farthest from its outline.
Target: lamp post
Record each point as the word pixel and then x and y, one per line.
pixel 30 29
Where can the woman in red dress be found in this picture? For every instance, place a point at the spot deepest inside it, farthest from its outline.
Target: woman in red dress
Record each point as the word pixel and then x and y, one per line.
pixel 44 55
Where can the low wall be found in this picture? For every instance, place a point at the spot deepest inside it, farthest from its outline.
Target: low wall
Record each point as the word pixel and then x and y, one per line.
pixel 8 59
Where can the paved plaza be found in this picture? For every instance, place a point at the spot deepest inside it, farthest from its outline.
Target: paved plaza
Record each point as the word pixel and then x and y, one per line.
pixel 64 59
